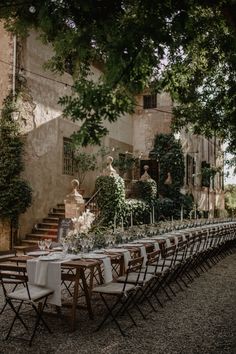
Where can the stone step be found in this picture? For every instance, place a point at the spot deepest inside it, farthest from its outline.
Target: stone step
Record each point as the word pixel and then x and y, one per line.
pixel 58 210
pixel 57 215
pixel 34 236
pixel 48 225
pixel 51 220
pixel 29 242
pixel 41 230
pixel 61 206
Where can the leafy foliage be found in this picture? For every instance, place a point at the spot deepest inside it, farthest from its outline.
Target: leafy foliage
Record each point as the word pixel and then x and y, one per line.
pixel 169 153
pixel 113 204
pixel 186 48
pixel 15 193
pixel 83 163
pixel 147 190
pixel 111 198
pixel 124 163
pixel 230 199
pixel 140 210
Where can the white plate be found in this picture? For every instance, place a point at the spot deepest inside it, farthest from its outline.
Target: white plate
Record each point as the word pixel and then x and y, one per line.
pixel 94 256
pixel 73 256
pixel 37 253
pixel 57 248
pixel 51 257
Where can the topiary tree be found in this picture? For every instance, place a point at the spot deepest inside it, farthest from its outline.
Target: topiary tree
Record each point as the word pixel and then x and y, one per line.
pixel 15 193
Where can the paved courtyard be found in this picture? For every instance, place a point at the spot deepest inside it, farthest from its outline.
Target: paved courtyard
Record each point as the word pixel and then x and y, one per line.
pixel 200 320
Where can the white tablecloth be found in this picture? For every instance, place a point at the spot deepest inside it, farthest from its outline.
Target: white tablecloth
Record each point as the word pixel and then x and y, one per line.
pixel 48 274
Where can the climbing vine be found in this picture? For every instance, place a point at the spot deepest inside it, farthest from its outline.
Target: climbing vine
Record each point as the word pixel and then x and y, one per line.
pixel 15 192
pixel 168 151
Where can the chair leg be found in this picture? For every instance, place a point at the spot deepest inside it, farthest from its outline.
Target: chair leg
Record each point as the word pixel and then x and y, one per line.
pixel 3 308
pixel 17 316
pixel 39 318
pixel 110 314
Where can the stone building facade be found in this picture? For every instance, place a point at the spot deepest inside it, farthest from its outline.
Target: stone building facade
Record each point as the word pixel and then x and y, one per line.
pixel 46 129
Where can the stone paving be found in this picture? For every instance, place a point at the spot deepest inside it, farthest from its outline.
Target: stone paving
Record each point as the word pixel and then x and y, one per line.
pixel 200 320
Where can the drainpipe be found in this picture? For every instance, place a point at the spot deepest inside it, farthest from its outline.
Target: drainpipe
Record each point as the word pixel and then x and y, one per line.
pixel 13 98
pixel 14 68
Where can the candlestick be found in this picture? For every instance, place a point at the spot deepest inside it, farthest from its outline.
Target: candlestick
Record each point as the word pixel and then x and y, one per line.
pixel 153 214
pixel 131 219
pixel 115 222
pixel 150 218
pixel 182 213
pixel 122 224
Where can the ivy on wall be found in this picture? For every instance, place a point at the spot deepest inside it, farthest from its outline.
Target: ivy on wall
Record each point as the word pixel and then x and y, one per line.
pixel 15 192
pixel 168 152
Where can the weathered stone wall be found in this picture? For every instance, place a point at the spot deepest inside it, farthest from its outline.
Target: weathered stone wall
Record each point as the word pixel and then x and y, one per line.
pixel 149 122
pixel 45 128
pixel 5 235
pixel 6 52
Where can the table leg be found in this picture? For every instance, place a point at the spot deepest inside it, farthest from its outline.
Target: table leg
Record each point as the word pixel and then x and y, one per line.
pixel 75 299
pixel 86 293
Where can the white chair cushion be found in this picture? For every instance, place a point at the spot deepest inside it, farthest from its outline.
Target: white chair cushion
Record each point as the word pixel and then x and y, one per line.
pixel 36 293
pixel 113 288
pixel 132 278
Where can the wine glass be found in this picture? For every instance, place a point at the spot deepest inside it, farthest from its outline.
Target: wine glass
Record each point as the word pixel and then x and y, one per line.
pixel 83 245
pixel 90 244
pixel 41 244
pixel 48 243
pixel 65 247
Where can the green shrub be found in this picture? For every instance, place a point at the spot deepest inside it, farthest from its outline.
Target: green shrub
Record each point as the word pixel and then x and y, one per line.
pixel 111 198
pixel 147 190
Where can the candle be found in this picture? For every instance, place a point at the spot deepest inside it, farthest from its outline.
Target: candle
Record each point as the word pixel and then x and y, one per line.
pixel 122 224
pixel 131 219
pixel 150 218
pixel 153 214
pixel 182 213
pixel 172 219
pixel 115 222
pixel 195 212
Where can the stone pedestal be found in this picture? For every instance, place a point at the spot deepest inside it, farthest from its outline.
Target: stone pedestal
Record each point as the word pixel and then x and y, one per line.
pixel 74 202
pixel 5 235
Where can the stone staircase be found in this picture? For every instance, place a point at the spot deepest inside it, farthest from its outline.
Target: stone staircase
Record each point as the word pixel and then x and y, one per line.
pixel 47 228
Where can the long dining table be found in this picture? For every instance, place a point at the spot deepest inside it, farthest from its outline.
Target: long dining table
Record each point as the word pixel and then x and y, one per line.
pixel 88 269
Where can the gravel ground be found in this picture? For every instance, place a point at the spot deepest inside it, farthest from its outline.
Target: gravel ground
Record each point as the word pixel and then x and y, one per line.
pixel 201 319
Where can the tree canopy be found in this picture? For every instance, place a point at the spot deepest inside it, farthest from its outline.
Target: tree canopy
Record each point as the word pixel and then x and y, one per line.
pixel 186 48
